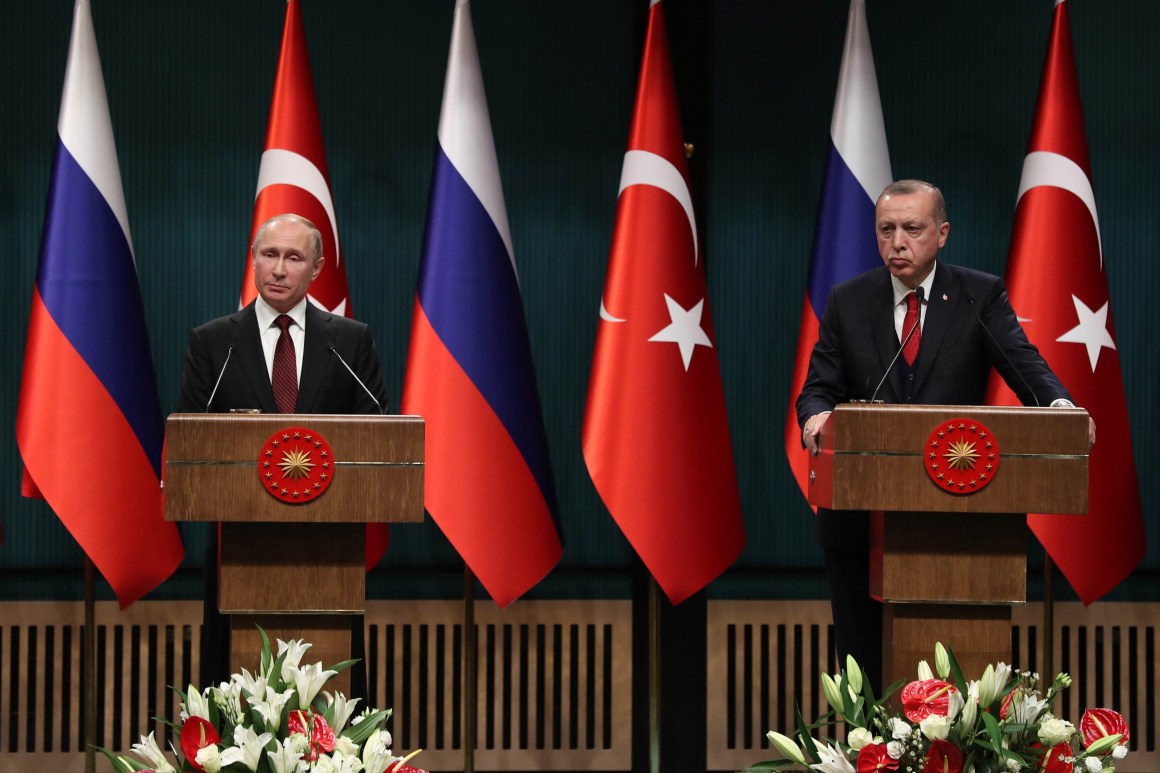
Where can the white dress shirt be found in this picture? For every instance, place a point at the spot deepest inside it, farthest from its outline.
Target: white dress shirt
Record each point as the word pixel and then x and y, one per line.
pixel 266 315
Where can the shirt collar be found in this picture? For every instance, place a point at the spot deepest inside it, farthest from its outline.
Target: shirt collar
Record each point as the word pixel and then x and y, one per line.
pixel 266 314
pixel 901 290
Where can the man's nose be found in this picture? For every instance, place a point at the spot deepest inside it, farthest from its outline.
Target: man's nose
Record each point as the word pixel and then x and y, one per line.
pixel 898 241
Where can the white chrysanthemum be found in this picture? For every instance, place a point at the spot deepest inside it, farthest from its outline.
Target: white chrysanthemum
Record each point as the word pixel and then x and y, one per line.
pixel 895 750
pixel 1093 764
pixel 898 728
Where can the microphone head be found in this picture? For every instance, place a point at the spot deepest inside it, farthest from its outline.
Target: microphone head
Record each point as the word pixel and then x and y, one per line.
pixel 920 292
pixel 969 294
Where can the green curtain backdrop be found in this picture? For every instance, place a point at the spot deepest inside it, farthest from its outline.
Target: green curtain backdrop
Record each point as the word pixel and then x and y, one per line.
pixel 189 87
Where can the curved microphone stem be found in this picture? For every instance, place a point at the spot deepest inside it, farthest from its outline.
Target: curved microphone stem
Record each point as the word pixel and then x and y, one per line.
pixel 356 378
pixel 971 300
pixel 216 384
pixel 920 294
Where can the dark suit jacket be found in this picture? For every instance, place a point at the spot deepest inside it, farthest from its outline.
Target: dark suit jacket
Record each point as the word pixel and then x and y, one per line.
pixel 325 386
pixel 857 340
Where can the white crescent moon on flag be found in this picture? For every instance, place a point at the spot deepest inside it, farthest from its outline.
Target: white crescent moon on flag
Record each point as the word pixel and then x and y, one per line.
pixel 644 168
pixel 285 167
pixel 1042 168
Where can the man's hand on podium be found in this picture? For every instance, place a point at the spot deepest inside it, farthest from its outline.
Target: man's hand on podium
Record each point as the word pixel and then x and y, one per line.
pixel 811 430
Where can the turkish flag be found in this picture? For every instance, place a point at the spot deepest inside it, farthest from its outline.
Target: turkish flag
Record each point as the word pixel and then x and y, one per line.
pixel 293 177
pixel 656 435
pixel 1057 282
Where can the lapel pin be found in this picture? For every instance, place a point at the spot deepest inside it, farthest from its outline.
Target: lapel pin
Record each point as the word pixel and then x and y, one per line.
pixel 945 298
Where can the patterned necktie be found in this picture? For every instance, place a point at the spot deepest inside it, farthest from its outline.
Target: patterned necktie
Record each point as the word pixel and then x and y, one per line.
pixel 910 351
pixel 285 376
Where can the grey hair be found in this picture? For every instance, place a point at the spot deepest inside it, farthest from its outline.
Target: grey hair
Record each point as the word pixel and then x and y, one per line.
pixel 906 187
pixel 290 217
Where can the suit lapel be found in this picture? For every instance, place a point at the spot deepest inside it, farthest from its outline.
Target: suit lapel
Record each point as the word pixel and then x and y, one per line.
pixel 247 341
pixel 885 337
pixel 319 337
pixel 940 308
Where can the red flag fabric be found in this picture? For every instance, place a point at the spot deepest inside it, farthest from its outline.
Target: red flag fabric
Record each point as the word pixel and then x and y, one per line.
pixel 88 386
pixel 656 435
pixel 293 177
pixel 1058 286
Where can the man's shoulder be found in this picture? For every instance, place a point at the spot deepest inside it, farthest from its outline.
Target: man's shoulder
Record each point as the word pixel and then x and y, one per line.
pixel 315 315
pixel 875 276
pixel 225 322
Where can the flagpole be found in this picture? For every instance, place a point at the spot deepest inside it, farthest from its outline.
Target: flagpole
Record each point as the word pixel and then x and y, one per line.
pixel 90 668
pixel 654 676
pixel 470 656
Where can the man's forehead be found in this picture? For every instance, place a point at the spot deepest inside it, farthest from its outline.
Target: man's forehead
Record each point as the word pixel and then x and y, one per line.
pixel 909 206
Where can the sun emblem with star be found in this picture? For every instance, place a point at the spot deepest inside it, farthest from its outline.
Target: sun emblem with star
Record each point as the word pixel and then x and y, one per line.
pixel 296 464
pixel 961 455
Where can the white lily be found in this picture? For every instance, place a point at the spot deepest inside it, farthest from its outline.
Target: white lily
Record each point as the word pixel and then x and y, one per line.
pixel 376 753
pixel 253 687
pixel 343 708
pixel 309 681
pixel 833 760
pixel 284 759
pixel 786 746
pixel 942 660
pixel 924 671
pixel 250 744
pixel 853 674
pixel 149 751
pixel 294 650
pixel 1025 707
pixel 271 708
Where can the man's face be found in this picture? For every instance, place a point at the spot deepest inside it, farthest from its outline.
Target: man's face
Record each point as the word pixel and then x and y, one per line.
pixel 908 237
pixel 284 265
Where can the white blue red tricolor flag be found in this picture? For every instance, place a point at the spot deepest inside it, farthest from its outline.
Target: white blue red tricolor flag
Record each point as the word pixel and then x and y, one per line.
pixel 656 433
pixel 857 171
pixel 1057 280
pixel 89 422
pixel 469 369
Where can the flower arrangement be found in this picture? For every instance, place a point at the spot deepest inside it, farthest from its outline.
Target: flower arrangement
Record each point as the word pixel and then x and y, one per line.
pixel 275 721
pixel 997 724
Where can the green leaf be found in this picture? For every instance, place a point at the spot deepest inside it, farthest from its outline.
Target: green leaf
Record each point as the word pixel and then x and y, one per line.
pixel 803 732
pixel 957 672
pixel 120 764
pixel 363 730
pixel 993 730
pixel 267 658
pixel 342 666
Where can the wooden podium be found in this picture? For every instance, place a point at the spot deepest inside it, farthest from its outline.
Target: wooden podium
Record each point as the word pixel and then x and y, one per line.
pixel 296 568
pixel 948 565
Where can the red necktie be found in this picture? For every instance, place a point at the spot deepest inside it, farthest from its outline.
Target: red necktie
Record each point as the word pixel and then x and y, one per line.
pixel 910 351
pixel 285 376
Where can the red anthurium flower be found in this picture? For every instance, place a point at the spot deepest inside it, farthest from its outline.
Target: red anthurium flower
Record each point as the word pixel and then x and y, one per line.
pixel 922 699
pixel 873 758
pixel 320 735
pixel 196 734
pixel 1057 759
pixel 1098 723
pixel 1006 704
pixel 943 757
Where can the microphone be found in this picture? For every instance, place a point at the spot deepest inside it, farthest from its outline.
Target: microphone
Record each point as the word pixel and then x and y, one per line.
pixel 970 295
pixel 356 378
pixel 920 294
pixel 222 372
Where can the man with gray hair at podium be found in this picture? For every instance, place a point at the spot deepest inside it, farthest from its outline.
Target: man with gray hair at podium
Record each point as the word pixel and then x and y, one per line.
pixel 279 354
pixel 912 331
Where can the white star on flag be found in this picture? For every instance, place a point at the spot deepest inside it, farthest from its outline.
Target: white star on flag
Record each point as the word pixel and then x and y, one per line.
pixel 685 329
pixel 1092 331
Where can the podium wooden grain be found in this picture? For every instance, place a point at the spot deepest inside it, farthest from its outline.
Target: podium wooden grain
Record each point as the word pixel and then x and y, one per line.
pixel 948 567
pixel 298 570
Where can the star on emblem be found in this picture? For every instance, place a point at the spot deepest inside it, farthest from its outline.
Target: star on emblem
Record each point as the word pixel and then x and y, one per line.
pixel 684 330
pixel 1092 331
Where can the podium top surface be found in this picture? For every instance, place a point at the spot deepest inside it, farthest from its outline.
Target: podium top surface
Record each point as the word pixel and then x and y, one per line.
pixel 212 468
pixel 875 457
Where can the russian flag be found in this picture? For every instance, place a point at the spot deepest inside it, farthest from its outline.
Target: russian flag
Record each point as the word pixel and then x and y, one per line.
pixel 469 368
pixel 857 171
pixel 89 422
